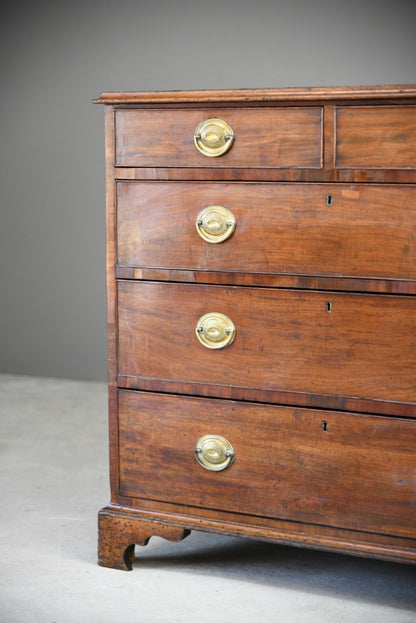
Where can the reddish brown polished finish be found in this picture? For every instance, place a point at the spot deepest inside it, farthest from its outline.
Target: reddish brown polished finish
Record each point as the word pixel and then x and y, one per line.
pixel 288 228
pixel 118 534
pixel 286 340
pixel 380 94
pixel 317 392
pixel 375 140
pixel 293 464
pixel 264 137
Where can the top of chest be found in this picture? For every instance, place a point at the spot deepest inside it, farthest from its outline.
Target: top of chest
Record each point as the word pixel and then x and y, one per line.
pixel 348 134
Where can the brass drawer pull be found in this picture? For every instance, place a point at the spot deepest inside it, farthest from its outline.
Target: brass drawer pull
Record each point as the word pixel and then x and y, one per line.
pixel 214 452
pixel 215 330
pixel 213 137
pixel 215 224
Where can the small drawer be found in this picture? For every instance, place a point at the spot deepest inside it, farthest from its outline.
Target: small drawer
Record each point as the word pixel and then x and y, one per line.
pixel 376 137
pixel 303 229
pixel 343 470
pixel 263 137
pixel 304 342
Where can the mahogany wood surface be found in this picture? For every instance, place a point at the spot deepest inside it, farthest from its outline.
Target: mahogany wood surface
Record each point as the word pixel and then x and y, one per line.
pixel 140 519
pixel 112 314
pixel 244 97
pixel 320 467
pixel 311 282
pixel 119 534
pixel 381 138
pixel 365 231
pixel 265 137
pixel 326 174
pixel 317 391
pixel 286 340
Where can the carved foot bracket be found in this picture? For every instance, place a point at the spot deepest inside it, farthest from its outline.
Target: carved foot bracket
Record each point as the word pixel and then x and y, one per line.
pixel 118 533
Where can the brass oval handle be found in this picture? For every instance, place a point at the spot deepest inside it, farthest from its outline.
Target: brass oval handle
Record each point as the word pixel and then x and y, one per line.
pixel 215 224
pixel 215 330
pixel 214 452
pixel 213 137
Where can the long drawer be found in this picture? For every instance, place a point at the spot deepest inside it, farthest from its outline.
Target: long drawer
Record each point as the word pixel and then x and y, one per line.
pixel 262 137
pixel 304 229
pixel 304 342
pixel 334 469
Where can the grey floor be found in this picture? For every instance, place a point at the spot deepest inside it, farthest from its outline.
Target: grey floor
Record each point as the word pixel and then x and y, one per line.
pixel 53 453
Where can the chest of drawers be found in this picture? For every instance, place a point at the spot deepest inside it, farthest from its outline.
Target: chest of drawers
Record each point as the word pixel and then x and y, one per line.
pixel 262 318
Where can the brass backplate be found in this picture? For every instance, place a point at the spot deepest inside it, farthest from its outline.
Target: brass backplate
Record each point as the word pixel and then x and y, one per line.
pixel 215 224
pixel 215 330
pixel 213 137
pixel 214 452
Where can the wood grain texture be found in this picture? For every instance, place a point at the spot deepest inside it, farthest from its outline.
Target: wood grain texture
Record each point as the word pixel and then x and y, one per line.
pixel 317 391
pixel 111 254
pixel 285 340
pixel 365 232
pixel 357 475
pixel 329 174
pixel 118 534
pixel 264 137
pixel 384 137
pixel 308 282
pixel 247 96
pixel 135 511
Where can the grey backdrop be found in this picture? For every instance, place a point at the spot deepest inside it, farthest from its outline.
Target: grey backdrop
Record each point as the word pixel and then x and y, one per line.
pixel 57 56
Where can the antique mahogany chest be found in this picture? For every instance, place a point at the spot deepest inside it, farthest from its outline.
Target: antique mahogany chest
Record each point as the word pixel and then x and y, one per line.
pixel 262 318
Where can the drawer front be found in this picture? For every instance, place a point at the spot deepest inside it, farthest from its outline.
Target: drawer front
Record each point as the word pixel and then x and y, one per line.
pixel 263 137
pixel 305 229
pixel 342 470
pixel 376 138
pixel 296 341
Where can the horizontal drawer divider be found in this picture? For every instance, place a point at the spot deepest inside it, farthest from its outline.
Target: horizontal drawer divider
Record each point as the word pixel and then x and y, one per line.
pixel 185 174
pixel 268 280
pixel 272 397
